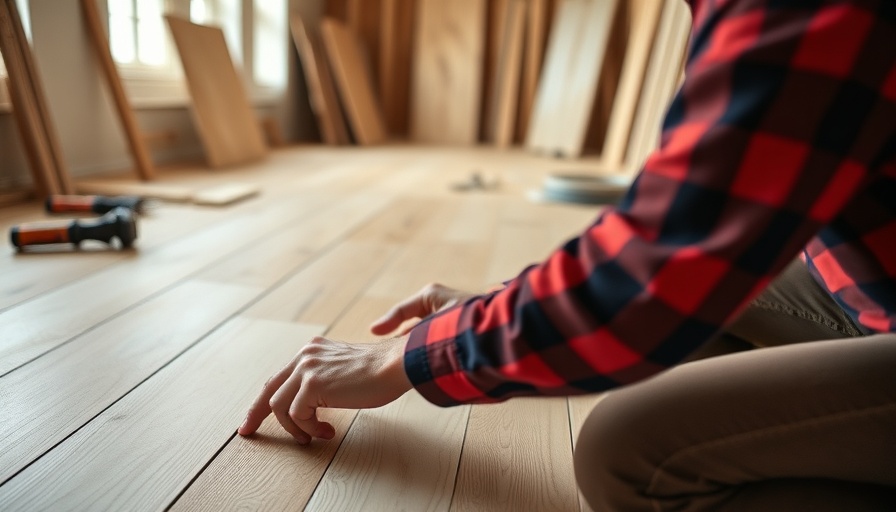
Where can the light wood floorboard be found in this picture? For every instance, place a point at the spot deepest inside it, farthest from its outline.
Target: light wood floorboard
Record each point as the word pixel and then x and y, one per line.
pixel 517 457
pixel 193 404
pixel 123 375
pixel 55 395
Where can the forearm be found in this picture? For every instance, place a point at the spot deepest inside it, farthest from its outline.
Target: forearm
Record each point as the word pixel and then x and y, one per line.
pixel 735 191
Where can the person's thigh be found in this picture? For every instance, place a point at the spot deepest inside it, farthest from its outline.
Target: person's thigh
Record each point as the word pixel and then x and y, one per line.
pixel 768 428
pixel 792 309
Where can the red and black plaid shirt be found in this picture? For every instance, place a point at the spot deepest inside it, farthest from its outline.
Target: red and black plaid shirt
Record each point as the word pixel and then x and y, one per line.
pixel 781 139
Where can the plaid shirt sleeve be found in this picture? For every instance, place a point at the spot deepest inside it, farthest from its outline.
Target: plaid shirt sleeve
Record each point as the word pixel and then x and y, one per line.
pixel 785 121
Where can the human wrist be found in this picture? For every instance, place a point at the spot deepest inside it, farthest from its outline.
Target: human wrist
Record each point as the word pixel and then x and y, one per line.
pixel 393 367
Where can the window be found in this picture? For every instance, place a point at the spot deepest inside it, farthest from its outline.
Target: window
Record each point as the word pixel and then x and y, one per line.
pixel 137 34
pixel 256 33
pixel 270 43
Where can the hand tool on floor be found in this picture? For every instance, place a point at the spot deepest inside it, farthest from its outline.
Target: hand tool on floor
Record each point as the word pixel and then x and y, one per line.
pixel 93 203
pixel 118 223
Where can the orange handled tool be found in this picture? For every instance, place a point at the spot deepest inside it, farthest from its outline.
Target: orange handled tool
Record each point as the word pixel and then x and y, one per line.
pixel 92 204
pixel 119 223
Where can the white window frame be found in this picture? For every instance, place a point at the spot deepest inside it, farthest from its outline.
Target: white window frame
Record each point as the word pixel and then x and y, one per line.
pixel 153 87
pixel 262 89
pixel 150 88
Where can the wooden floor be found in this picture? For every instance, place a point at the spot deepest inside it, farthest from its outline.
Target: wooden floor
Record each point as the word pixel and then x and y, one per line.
pixel 123 375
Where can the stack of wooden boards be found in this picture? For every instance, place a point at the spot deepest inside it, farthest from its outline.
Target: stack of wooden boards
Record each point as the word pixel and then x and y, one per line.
pixel 562 77
pixel 30 109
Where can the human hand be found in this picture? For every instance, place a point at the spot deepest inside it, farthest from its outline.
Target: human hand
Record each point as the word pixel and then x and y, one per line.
pixel 431 299
pixel 327 373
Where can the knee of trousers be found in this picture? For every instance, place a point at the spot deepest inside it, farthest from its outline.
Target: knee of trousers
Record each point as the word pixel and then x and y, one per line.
pixel 612 460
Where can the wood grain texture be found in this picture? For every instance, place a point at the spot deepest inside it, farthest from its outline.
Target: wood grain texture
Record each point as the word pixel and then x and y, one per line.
pixel 517 456
pixel 363 18
pixel 136 142
pixel 366 193
pixel 22 339
pixel 354 82
pixel 608 80
pixel 319 291
pixel 229 129
pixel 520 243
pixel 337 9
pixel 570 124
pixel 660 81
pixel 321 90
pixel 569 81
pixel 447 72
pixel 104 364
pixel 495 21
pixel 380 466
pixel 396 47
pixel 643 18
pixel 505 93
pixel 339 237
pixel 558 61
pixel 580 408
pixel 24 103
pixel 39 99
pixel 460 265
pixel 27 277
pixel 38 164
pixel 538 20
pixel 194 403
pixel 269 471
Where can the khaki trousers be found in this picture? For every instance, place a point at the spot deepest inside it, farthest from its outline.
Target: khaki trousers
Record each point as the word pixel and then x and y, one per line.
pixel 791 409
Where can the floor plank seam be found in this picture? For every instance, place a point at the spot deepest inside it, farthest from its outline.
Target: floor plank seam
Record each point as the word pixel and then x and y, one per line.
pixel 345 246
pixel 128 392
pixel 199 340
pixel 330 463
pixel 177 283
pixel 76 280
pixel 201 470
pixel 96 325
pixel 298 268
pixel 460 457
pixel 230 216
pixel 572 444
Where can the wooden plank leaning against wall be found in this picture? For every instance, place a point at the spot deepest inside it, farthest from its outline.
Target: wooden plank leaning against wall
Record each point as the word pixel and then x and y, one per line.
pixel 354 83
pixel 643 17
pixel 227 125
pixel 447 72
pixel 319 78
pixel 661 78
pixel 501 119
pixel 569 79
pixel 100 42
pixel 32 115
